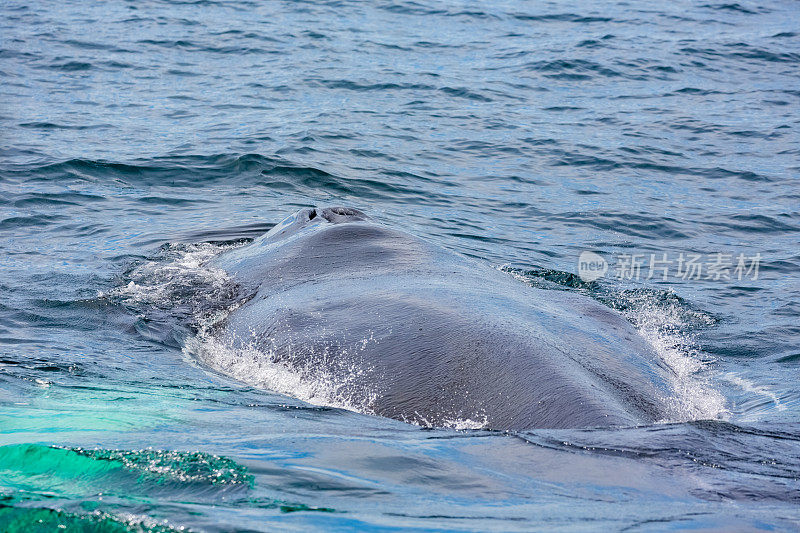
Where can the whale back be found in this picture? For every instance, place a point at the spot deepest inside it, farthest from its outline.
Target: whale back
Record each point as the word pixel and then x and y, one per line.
pixel 418 333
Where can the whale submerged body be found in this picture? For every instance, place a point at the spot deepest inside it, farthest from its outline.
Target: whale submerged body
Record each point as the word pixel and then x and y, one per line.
pixel 421 334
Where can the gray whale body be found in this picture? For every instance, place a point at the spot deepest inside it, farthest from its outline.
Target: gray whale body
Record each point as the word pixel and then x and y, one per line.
pixel 421 334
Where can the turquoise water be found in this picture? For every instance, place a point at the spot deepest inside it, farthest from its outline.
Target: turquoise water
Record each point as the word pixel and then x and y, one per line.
pixel 141 139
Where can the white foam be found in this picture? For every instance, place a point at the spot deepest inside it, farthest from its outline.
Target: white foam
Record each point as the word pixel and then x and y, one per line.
pixel 466 423
pixel 324 378
pixel 178 269
pixel 664 325
pixel 460 424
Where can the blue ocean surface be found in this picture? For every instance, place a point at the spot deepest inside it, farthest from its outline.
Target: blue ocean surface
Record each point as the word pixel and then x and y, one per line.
pixel 138 140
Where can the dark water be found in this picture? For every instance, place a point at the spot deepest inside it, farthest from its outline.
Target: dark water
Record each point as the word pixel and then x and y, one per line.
pixel 140 139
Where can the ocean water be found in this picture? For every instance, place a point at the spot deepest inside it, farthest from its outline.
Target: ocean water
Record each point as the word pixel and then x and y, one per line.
pixel 140 139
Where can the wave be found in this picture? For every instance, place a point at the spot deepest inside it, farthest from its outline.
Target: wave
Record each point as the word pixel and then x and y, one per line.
pixel 24 519
pixel 34 474
pixel 734 456
pixel 274 174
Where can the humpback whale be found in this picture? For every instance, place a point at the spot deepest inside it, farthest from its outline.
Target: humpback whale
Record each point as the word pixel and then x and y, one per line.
pixel 422 334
